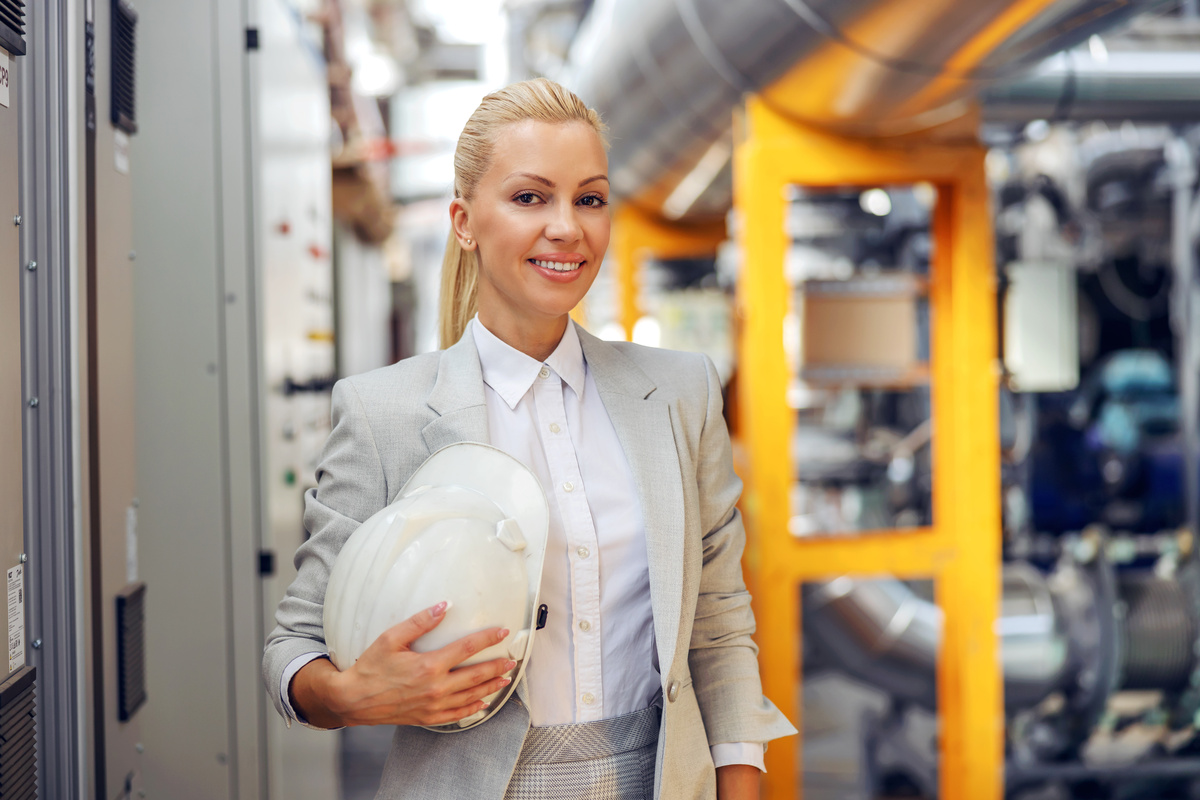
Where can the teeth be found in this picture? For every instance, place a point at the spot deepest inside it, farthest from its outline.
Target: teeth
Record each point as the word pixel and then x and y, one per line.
pixel 559 266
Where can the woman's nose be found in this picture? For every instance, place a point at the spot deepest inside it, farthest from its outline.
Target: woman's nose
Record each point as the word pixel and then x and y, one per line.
pixel 563 225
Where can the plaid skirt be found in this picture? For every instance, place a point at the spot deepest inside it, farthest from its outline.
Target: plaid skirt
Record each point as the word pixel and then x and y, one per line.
pixel 612 759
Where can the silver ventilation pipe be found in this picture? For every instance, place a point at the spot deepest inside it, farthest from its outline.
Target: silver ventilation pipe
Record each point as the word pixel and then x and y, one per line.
pixel 1151 86
pixel 887 635
pixel 667 74
pixel 1083 630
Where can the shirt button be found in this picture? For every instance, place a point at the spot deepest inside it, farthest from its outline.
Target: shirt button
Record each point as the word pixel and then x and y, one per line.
pixel 583 552
pixel 544 372
pixel 585 626
pixel 554 427
pixel 672 691
pixel 568 486
pixel 588 698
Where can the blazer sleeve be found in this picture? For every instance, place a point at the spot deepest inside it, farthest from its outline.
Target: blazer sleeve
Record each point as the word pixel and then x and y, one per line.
pixel 351 486
pixel 723 659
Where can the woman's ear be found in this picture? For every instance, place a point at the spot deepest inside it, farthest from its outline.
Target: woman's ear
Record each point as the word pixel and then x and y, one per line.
pixel 460 220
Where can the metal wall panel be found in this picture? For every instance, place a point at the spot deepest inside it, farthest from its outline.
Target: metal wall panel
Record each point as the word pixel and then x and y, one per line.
pixel 49 326
pixel 115 414
pixel 231 144
pixel 183 509
pixel 12 406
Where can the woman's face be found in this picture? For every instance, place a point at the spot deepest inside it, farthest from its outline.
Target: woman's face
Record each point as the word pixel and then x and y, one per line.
pixel 540 223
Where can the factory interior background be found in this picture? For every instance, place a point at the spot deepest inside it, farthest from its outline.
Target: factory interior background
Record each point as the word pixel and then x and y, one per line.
pixel 943 255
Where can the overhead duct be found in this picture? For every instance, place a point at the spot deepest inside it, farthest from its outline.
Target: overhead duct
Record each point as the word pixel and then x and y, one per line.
pixel 884 633
pixel 1140 86
pixel 667 74
pixel 1083 629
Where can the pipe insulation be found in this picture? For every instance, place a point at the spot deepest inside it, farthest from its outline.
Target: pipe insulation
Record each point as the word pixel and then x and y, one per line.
pixel 1152 86
pixel 666 75
pixel 1056 632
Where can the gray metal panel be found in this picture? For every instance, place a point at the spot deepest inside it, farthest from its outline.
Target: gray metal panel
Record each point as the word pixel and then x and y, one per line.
pixel 12 404
pixel 54 555
pixel 202 383
pixel 116 413
pixel 240 376
pixel 183 512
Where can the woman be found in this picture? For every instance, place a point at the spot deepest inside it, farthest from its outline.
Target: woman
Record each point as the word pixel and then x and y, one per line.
pixel 650 615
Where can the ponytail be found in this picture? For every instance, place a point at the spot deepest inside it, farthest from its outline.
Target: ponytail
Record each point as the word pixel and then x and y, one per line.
pixel 460 281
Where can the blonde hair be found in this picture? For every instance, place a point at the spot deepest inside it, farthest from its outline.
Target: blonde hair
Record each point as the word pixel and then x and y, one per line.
pixel 538 99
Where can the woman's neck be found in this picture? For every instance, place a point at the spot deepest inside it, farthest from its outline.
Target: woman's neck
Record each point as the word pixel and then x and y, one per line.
pixel 536 341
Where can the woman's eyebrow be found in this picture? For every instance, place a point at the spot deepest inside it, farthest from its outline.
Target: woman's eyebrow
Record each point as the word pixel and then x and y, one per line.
pixel 551 183
pixel 537 178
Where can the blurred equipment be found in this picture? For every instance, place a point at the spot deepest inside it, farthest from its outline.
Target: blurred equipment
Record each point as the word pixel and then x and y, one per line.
pixel 1099 628
pixel 235 363
pixel 1056 477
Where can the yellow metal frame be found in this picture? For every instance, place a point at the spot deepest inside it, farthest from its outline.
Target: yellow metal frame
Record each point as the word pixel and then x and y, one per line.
pixel 961 550
pixel 638 236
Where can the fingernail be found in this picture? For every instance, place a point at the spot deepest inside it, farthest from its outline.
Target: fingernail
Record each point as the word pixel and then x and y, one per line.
pixel 440 608
pixel 509 665
pixel 503 632
pixel 505 681
pixel 484 704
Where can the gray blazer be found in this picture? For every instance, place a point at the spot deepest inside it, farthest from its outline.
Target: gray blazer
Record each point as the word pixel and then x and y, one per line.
pixel 666 409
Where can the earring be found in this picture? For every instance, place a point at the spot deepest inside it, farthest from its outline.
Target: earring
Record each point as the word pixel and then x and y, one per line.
pixel 468 242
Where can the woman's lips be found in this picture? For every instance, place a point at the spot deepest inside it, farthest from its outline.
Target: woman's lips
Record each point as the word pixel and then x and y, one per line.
pixel 558 271
pixel 556 265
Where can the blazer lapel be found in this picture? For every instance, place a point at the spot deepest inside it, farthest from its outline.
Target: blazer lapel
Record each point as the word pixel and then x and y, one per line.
pixel 457 398
pixel 643 426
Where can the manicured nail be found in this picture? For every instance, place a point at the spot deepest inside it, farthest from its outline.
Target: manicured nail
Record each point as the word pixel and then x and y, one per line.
pixel 509 665
pixel 484 704
pixel 505 681
pixel 500 636
pixel 440 608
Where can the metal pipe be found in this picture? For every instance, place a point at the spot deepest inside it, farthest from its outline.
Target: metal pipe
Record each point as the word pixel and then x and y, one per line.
pixel 1141 86
pixel 1017 776
pixel 882 632
pixel 667 74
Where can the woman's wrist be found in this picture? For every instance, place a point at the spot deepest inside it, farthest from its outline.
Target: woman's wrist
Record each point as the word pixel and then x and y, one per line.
pixel 315 693
pixel 738 782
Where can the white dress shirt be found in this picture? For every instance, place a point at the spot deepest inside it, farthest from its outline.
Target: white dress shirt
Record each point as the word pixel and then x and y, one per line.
pixel 596 657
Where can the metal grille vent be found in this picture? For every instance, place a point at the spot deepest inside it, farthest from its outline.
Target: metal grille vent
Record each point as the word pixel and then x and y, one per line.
pixel 124 50
pixel 131 650
pixel 18 736
pixel 12 26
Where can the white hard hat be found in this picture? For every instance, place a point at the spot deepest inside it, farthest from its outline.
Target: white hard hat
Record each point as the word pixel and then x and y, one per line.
pixel 469 527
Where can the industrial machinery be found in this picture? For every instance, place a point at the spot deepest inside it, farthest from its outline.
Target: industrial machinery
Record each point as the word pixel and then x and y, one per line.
pixel 72 701
pixel 1062 557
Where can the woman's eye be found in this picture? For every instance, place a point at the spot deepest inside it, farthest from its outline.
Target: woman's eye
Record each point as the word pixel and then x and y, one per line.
pixel 526 198
pixel 593 201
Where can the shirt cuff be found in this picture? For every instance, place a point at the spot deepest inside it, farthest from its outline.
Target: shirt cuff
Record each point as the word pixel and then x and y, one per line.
pixel 727 753
pixel 285 683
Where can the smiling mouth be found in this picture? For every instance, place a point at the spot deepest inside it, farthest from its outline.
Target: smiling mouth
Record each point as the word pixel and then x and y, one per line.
pixel 558 266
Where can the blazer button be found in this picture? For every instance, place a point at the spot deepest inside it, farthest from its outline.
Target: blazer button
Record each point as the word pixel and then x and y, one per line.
pixel 672 691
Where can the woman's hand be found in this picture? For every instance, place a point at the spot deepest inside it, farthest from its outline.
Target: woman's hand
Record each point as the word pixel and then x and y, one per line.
pixel 738 782
pixel 390 684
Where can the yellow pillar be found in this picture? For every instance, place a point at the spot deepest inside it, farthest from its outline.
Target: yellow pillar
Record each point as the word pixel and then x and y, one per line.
pixel 638 236
pixel 961 550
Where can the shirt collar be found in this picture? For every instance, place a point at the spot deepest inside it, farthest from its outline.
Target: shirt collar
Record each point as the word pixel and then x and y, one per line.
pixel 510 372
